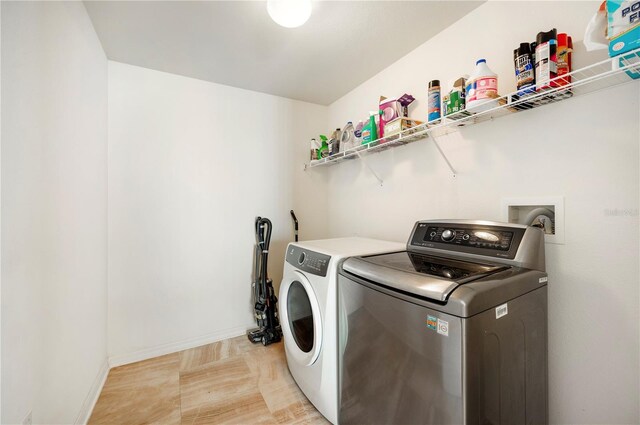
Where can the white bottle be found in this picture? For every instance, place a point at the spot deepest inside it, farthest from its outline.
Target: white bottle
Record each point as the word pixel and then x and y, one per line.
pixel 315 147
pixel 347 137
pixel 481 88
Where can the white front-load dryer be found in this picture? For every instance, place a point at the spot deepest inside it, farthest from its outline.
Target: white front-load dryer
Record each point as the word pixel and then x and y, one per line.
pixel 308 310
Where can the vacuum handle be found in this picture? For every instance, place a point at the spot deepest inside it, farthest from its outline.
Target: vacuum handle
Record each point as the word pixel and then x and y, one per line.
pixel 295 224
pixel 263 233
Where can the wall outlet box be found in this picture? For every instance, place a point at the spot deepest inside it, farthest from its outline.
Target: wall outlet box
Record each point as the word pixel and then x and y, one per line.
pixel 544 210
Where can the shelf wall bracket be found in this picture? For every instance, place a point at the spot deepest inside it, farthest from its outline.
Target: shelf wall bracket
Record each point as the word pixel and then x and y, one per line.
pixel 364 161
pixel 435 142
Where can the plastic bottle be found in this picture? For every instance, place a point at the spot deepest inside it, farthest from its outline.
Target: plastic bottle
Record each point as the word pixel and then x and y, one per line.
pixel 370 130
pixel 366 132
pixel 434 102
pixel 323 152
pixel 347 137
pixel 315 147
pixel 374 120
pixel 358 132
pixel 334 142
pixel 546 60
pixel 482 88
pixel 525 71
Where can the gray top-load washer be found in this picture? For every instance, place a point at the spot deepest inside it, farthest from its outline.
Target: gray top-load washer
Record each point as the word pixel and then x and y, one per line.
pixel 453 330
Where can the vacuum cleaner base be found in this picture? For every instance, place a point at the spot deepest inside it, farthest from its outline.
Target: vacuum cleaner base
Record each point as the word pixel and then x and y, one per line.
pixel 265 335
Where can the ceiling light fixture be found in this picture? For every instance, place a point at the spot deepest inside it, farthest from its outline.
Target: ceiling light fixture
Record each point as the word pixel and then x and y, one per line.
pixel 289 13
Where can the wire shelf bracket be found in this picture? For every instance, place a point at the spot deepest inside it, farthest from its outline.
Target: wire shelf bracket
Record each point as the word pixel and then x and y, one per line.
pixel 366 163
pixel 442 154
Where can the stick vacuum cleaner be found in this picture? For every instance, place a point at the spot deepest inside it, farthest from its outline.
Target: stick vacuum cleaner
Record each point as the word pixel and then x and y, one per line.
pixel 265 300
pixel 295 224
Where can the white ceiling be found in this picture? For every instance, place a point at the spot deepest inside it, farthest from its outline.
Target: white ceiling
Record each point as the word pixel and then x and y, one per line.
pixel 236 43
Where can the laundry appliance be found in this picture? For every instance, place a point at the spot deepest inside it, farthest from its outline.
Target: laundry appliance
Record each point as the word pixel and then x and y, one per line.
pixel 453 330
pixel 308 299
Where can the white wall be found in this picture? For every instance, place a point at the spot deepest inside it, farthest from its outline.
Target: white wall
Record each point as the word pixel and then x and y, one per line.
pixel 54 206
pixel 584 149
pixel 191 164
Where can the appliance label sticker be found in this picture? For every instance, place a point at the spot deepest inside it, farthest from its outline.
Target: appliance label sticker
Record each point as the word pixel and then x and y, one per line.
pixel 543 280
pixel 443 327
pixel 501 310
pixel 432 322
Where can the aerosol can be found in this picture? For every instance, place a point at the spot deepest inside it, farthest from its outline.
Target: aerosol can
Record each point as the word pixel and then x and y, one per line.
pixel 546 59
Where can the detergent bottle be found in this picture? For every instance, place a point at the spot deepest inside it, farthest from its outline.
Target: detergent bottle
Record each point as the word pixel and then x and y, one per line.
pixel 482 88
pixel 347 137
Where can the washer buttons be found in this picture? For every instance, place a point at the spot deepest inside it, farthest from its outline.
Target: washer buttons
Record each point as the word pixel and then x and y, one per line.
pixel 448 235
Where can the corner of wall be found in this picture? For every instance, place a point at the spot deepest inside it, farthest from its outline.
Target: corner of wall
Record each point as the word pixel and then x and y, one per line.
pixel 93 395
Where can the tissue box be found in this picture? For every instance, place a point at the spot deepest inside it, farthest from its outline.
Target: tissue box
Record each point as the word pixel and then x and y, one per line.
pixel 394 108
pixel 390 110
pixel 623 26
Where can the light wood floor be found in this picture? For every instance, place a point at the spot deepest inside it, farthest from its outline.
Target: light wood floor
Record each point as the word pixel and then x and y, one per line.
pixel 227 382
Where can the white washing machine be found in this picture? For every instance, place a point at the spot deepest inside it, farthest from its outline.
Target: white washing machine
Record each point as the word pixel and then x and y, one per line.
pixel 308 311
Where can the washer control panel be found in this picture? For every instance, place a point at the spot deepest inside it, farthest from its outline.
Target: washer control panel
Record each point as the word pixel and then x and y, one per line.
pixel 483 239
pixel 308 261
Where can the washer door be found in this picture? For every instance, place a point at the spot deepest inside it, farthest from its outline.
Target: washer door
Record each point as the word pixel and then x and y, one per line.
pixel 302 323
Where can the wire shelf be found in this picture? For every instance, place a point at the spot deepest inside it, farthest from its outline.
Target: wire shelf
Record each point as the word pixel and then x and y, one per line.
pixel 610 72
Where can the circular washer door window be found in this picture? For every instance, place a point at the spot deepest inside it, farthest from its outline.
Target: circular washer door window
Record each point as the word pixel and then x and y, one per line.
pixel 303 329
pixel 300 316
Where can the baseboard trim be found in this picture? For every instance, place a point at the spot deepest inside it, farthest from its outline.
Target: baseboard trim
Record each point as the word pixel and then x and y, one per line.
pixel 94 394
pixel 161 350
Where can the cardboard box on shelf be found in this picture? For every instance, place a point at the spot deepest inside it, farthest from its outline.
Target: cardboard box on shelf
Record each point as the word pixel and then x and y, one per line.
pixel 454 101
pixel 398 125
pixel 392 109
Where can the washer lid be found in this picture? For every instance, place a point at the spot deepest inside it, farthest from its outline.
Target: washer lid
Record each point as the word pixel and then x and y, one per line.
pixel 423 275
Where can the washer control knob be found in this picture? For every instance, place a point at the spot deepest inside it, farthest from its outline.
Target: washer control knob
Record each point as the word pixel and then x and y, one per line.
pixel 302 257
pixel 448 273
pixel 465 237
pixel 448 235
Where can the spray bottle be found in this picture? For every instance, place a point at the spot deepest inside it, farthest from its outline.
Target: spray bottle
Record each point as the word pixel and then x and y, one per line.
pixel 323 152
pixel 370 130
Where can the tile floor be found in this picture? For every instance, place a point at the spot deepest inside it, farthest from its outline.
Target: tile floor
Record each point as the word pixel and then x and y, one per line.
pixel 227 382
